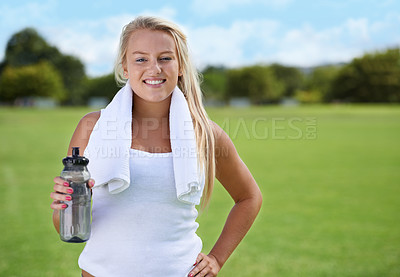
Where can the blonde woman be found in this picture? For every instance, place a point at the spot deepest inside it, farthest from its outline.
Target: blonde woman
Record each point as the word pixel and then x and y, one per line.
pixel 147 227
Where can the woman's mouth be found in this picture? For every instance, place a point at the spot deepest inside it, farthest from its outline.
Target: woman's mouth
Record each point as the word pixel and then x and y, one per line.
pixel 154 82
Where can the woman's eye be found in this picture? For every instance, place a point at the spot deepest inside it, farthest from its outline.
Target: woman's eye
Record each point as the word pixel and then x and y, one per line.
pixel 166 58
pixel 140 60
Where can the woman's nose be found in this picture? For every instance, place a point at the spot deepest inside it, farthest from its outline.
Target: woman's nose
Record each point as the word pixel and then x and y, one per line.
pixel 155 67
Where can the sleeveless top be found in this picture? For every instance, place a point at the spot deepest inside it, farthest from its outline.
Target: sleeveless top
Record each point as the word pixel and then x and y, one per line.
pixel 144 230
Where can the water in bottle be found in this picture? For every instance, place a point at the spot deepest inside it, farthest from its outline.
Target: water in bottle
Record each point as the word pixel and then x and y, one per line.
pixel 75 220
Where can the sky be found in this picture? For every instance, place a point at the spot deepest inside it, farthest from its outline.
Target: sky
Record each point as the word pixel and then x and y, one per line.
pixel 230 33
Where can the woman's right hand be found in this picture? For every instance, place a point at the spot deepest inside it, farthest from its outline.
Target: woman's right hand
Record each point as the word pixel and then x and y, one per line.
pixel 62 192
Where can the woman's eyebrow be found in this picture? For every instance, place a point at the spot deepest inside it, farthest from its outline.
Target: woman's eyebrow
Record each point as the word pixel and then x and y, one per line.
pixel 145 53
pixel 139 52
pixel 167 52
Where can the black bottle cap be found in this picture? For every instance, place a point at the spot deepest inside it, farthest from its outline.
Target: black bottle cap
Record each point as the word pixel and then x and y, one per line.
pixel 75 151
pixel 75 159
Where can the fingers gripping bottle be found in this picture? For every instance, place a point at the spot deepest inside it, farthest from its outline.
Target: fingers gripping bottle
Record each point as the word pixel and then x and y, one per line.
pixel 75 219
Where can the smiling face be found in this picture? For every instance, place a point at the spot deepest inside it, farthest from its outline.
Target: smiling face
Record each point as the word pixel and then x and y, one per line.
pixel 152 64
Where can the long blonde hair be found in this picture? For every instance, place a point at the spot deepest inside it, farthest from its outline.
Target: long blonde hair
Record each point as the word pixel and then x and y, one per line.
pixel 189 84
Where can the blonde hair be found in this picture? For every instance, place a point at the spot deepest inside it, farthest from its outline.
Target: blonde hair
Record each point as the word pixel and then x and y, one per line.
pixel 189 83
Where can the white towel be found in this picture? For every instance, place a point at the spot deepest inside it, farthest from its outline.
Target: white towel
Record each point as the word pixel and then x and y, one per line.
pixel 110 141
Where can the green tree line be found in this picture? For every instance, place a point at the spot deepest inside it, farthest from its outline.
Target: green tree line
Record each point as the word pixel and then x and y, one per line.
pixel 34 68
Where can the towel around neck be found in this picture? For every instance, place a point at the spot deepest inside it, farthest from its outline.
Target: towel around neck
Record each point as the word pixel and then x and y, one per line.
pixel 110 141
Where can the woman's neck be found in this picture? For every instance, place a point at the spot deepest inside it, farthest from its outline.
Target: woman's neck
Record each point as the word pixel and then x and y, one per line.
pixel 143 109
pixel 150 125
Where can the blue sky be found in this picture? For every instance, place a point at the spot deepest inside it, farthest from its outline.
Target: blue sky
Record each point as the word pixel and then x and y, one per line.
pixel 221 32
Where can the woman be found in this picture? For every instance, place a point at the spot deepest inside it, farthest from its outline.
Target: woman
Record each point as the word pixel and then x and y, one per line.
pixel 146 227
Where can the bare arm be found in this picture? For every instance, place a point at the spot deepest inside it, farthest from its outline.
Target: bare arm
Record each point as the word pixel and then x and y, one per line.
pixel 79 139
pixel 234 175
pixel 240 184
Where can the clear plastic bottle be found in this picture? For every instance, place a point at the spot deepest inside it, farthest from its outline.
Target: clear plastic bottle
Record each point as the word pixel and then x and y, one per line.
pixel 75 220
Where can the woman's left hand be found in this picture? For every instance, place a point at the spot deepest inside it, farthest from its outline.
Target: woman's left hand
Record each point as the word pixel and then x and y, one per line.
pixel 206 265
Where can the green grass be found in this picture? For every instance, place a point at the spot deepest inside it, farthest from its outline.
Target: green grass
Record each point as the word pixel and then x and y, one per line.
pixel 329 175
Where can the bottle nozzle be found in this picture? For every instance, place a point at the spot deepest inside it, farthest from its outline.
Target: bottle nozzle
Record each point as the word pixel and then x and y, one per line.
pixel 75 151
pixel 75 159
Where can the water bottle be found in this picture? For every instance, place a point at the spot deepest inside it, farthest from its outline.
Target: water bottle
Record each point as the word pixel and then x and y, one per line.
pixel 75 219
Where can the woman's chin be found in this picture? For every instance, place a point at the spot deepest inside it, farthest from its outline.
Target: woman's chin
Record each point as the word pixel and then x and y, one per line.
pixel 154 98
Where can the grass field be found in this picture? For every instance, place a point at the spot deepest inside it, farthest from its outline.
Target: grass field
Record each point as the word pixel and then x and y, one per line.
pixel 330 177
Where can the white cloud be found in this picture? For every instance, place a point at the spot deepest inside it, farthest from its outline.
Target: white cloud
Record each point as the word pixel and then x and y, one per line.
pixel 239 43
pixel 249 42
pixel 218 45
pixel 387 29
pixel 165 12
pixel 209 7
pixel 306 46
pixel 25 13
pixel 15 17
pixel 358 28
pixel 96 42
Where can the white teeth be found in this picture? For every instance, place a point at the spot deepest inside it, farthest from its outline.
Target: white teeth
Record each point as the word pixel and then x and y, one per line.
pixel 154 82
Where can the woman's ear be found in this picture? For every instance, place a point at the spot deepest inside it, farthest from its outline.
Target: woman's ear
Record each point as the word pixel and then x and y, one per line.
pixel 125 70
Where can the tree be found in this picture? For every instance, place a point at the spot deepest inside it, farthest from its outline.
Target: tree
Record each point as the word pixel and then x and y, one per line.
pixel 372 78
pixel 103 86
pixel 214 83
pixel 258 83
pixel 27 47
pixel 291 77
pixel 40 79
pixel 73 75
pixel 318 84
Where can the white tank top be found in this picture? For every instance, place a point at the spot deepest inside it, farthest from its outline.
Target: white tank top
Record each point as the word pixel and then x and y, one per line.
pixel 144 230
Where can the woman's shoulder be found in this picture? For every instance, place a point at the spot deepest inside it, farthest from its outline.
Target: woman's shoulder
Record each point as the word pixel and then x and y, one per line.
pixel 222 140
pixel 84 129
pixel 217 130
pixel 89 120
pixel 91 117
